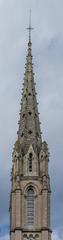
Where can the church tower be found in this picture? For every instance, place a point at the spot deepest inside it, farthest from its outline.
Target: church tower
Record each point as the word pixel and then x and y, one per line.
pixel 30 181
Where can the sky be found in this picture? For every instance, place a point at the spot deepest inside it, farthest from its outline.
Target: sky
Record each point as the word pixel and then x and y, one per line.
pixel 47 48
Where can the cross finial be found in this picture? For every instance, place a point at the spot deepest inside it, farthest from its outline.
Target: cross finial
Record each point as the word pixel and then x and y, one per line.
pixel 30 28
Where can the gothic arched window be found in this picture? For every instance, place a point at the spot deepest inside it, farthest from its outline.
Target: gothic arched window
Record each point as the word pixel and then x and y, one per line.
pixel 30 207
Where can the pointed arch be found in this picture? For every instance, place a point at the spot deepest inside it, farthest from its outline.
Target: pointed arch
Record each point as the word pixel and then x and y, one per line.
pixel 31 192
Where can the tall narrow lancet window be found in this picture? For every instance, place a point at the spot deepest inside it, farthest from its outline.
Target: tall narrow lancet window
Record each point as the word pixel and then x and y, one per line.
pixel 30 207
pixel 30 162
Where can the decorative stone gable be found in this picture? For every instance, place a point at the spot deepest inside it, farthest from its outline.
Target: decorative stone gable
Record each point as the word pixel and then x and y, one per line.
pixel 30 163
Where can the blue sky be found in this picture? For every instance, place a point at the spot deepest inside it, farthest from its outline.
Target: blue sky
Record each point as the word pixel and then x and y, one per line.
pixel 47 39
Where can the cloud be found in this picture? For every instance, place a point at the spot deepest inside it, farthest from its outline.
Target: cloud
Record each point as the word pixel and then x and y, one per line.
pixel 7 237
pixel 55 236
pixel 4 230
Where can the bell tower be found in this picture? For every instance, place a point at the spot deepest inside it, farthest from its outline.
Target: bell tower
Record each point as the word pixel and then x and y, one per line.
pixel 30 181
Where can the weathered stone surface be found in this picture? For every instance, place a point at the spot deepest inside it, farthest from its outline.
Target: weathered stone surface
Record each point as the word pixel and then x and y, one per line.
pixel 30 169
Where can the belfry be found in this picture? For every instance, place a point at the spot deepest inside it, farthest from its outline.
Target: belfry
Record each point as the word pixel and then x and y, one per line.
pixel 30 181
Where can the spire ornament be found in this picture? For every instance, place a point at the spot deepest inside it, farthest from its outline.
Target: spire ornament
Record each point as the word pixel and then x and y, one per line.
pixel 30 28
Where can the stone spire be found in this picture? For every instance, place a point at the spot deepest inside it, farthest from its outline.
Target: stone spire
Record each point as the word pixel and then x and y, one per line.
pixel 30 181
pixel 29 125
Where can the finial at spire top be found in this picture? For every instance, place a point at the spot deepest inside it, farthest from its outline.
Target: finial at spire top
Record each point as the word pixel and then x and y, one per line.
pixel 30 28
